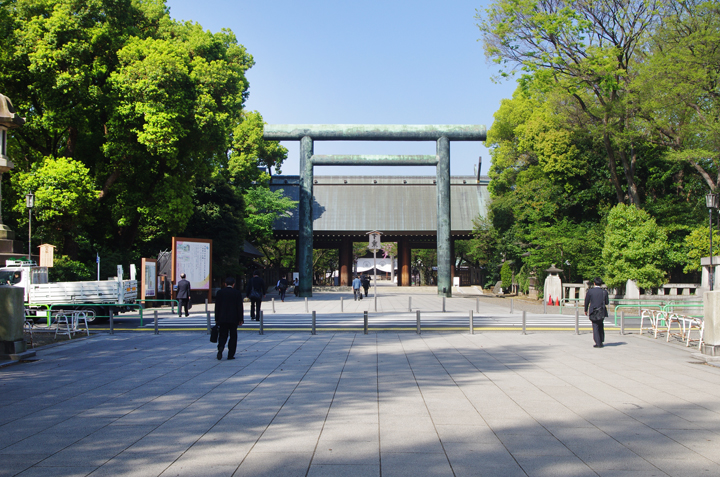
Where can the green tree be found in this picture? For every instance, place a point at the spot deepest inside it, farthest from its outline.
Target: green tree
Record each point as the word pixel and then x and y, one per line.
pixel 263 207
pixel 634 248
pixel 697 246
pixel 586 49
pixel 506 275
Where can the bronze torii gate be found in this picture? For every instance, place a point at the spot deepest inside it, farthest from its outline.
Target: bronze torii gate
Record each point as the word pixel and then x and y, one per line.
pixel 441 134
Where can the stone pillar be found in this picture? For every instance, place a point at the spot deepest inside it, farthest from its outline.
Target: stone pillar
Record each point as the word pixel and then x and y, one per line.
pixel 12 319
pixel 452 261
pixel 444 281
pixel 305 240
pixel 711 336
pixel 345 256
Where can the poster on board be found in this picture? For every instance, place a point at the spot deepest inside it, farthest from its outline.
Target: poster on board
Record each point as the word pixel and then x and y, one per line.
pixel 193 257
pixel 149 278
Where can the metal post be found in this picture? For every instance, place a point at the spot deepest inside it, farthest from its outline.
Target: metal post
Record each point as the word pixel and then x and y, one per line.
pixel 305 233
pixel 477 305
pixel 622 322
pixel 444 281
pixel 306 305
pixel 314 322
pixel 273 304
pixel 443 304
pixel 206 305
pixel 155 319
pixel 207 315
pixel 142 321
pixel 365 322
pixel 544 306
pixel 524 321
pixel 711 275
pixel 112 322
pixel 472 323
pixel 512 306
pixel 261 329
pixel 341 305
pixel 577 321
pixel 409 304
pixel 418 322
pixel 375 275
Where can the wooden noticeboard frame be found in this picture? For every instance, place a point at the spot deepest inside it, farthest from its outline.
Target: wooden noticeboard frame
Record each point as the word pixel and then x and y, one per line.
pixel 198 254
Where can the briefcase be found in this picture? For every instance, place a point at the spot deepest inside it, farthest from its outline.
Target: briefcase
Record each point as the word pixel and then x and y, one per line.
pixel 214 334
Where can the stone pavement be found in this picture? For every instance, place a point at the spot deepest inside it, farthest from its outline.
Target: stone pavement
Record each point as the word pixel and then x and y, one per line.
pixel 347 404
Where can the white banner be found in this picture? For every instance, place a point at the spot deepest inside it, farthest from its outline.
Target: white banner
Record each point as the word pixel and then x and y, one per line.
pixel 383 265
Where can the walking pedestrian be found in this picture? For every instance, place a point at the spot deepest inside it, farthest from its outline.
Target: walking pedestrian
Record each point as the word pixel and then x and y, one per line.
pixel 596 302
pixel 228 316
pixel 255 292
pixel 183 295
pixel 356 284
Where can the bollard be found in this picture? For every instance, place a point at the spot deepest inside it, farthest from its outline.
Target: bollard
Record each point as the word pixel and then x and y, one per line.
pixel 157 331
pixel 273 304
pixel 622 322
pixel 477 305
pixel 261 329
pixel 472 323
pixel 577 320
pixel 443 304
pixel 206 305
pixel 314 322
pixel 207 314
pixel 365 322
pixel 306 305
pixel 524 321
pixel 341 304
pixel 409 304
pixel 544 306
pixel 512 306
pixel 418 322
pixel 112 322
pixel 142 321
pixel 376 304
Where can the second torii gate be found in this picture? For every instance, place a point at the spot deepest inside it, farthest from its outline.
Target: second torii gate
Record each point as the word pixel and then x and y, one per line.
pixel 307 134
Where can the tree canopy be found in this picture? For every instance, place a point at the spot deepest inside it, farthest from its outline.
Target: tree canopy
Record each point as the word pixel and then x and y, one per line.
pixel 136 128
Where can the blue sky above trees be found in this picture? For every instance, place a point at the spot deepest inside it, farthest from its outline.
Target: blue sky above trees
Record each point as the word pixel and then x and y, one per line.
pixel 375 62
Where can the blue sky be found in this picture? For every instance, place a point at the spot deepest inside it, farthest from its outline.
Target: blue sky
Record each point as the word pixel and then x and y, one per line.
pixel 369 62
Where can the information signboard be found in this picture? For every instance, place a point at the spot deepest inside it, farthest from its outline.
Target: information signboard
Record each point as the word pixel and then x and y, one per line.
pixel 193 257
pixel 149 278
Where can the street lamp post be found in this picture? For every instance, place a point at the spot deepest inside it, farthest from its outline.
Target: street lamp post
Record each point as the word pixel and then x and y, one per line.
pixel 30 203
pixel 711 201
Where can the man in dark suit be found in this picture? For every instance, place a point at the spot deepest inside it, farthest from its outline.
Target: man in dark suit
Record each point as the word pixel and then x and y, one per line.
pixel 596 301
pixel 228 316
pixel 183 294
pixel 255 292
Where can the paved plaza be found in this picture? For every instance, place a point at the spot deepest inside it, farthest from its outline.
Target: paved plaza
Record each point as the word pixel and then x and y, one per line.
pixel 348 404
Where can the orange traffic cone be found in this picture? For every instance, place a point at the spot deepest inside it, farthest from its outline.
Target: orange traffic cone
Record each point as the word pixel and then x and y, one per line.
pixel 549 300
pixel 557 301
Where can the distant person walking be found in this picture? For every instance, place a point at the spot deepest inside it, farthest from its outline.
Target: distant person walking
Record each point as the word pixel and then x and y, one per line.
pixel 366 283
pixel 255 292
pixel 356 284
pixel 282 286
pixel 596 302
pixel 183 295
pixel 228 316
pixel 296 287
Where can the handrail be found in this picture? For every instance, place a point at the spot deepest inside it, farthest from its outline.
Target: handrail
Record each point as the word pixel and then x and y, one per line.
pixel 114 305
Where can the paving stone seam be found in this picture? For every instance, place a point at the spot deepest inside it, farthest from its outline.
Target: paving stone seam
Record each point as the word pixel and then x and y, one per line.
pixel 157 397
pixel 427 408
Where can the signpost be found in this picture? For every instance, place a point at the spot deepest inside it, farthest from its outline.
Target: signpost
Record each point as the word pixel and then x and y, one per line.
pixel 374 246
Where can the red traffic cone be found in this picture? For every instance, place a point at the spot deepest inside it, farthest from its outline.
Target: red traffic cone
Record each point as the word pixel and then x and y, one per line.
pixel 557 301
pixel 549 300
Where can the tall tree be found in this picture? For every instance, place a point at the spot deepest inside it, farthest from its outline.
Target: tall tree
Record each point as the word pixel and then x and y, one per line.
pixel 587 49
